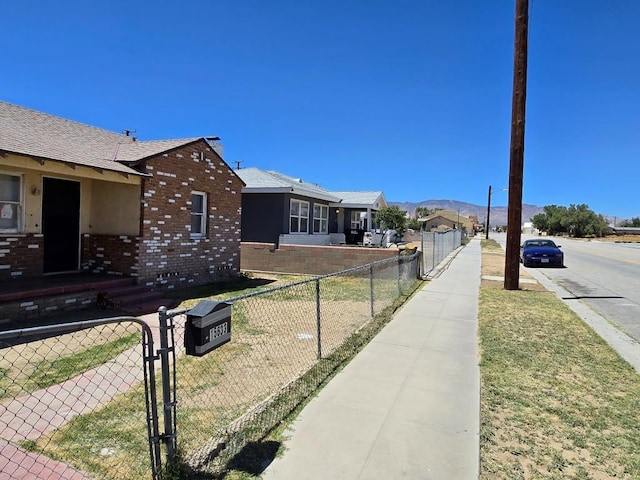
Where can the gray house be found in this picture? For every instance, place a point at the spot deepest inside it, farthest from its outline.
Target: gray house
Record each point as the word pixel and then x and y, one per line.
pixel 280 209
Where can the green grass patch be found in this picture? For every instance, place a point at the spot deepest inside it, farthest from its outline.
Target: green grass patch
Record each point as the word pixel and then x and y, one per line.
pixel 46 373
pixel 52 372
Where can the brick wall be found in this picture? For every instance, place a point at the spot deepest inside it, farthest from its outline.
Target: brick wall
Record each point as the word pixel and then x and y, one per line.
pixel 168 257
pixel 114 254
pixel 21 256
pixel 308 259
pixel 38 306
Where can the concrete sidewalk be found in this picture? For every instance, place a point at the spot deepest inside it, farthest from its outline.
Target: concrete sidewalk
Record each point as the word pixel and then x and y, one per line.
pixel 408 405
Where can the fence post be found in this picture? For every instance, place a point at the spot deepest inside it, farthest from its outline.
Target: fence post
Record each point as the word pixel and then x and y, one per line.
pixel 422 266
pixel 433 257
pixel 399 274
pixel 371 288
pixel 169 436
pixel 318 322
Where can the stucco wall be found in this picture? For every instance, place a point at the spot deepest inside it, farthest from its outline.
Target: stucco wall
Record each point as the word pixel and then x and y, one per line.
pixel 33 171
pixel 308 259
pixel 115 209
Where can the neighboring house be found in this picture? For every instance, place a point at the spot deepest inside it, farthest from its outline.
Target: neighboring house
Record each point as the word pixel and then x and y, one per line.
pixel 280 209
pixel 447 219
pixel 78 198
pixel 529 229
pixel 356 214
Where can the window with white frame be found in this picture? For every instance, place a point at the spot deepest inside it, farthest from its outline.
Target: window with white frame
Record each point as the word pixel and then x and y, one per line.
pixel 10 202
pixel 320 218
pixel 299 217
pixel 356 220
pixel 198 214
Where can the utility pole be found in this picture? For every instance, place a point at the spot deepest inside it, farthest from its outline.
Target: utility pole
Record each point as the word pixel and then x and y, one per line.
pixel 516 164
pixel 486 232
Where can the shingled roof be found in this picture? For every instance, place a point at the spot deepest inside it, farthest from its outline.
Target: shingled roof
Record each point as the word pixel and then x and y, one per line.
pixel 362 199
pixel 46 137
pixel 261 181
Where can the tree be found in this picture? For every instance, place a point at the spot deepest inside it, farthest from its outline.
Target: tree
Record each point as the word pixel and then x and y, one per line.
pixel 577 220
pixel 419 212
pixel 553 220
pixel 423 212
pixel 413 224
pixel 583 222
pixel 392 217
pixel 541 222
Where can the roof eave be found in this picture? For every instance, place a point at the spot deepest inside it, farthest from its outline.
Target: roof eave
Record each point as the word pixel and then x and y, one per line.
pixel 358 205
pixel 100 169
pixel 266 189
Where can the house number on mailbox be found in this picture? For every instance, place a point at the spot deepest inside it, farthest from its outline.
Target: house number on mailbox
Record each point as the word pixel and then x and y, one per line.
pixel 218 331
pixel 208 327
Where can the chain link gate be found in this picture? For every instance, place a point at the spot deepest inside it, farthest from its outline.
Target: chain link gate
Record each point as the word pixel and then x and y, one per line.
pixel 78 401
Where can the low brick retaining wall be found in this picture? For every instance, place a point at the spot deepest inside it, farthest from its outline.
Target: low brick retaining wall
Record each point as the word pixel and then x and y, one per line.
pixel 39 306
pixel 307 259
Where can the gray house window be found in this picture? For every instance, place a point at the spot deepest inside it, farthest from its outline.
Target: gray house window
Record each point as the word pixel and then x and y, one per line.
pixel 299 217
pixel 320 219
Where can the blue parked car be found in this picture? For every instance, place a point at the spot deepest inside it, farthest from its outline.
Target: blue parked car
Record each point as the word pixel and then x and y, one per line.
pixel 541 252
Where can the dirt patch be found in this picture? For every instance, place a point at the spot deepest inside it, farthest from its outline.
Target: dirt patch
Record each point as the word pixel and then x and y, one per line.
pixel 493 272
pixel 621 238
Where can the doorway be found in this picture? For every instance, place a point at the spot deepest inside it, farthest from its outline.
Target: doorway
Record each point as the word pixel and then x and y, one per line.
pixel 61 225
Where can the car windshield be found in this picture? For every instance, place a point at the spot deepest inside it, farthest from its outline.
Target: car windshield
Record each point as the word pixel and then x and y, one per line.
pixel 539 243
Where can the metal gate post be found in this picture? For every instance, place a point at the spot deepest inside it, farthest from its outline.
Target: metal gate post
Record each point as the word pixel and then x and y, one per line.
pixel 169 436
pixel 153 429
pixel 399 274
pixel 371 288
pixel 422 267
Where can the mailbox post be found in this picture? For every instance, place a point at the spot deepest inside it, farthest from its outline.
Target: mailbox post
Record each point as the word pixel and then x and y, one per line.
pixel 208 326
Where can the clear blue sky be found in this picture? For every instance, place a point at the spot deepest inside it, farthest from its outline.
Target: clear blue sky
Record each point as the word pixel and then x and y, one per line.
pixel 412 97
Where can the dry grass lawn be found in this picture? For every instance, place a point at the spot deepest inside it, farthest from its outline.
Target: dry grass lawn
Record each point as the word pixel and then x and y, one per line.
pixel 557 402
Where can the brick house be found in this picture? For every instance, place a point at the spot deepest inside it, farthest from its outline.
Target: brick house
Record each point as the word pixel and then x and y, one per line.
pixel 75 198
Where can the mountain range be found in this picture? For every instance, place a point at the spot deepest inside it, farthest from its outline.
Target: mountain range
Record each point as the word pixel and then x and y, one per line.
pixel 498 213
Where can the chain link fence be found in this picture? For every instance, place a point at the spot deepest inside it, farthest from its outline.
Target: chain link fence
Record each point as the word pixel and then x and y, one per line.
pixel 435 247
pixel 285 342
pixel 79 400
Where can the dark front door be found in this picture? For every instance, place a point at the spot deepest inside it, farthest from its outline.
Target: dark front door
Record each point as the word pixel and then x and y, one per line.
pixel 60 224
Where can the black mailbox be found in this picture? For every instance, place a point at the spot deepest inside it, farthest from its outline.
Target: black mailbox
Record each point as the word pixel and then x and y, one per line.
pixel 208 326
